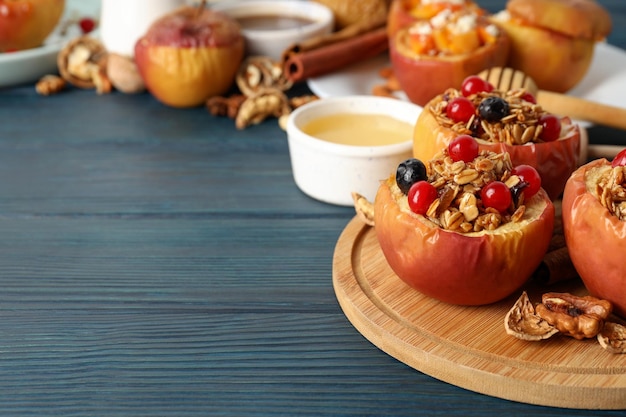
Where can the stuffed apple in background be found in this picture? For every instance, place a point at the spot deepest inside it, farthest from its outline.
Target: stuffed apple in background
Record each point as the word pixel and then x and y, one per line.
pixel 594 224
pixel 466 227
pixel 25 24
pixel 553 41
pixel 431 55
pixel 403 13
pixel 189 55
pixel 502 121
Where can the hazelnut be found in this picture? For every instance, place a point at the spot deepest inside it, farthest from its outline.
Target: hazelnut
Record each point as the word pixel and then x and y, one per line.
pixel 123 73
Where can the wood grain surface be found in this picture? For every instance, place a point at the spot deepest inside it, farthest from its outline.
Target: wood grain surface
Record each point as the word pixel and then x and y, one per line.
pixel 468 346
pixel 159 262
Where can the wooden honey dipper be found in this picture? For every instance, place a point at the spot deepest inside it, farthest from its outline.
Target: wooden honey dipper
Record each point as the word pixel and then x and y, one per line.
pixel 574 107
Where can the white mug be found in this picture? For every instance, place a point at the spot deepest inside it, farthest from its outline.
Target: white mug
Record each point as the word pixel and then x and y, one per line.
pixel 123 22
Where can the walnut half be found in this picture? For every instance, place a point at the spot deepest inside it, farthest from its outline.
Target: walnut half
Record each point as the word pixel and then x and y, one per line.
pixel 570 315
pixel 522 322
pixel 578 317
pixel 268 102
pixel 612 337
pixel 259 72
pixel 364 208
pixel 82 63
pixel 49 84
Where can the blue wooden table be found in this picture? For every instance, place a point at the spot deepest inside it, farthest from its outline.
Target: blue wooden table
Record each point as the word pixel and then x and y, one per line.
pixel 159 262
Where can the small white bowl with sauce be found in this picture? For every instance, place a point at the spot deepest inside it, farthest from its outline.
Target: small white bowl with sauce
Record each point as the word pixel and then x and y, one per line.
pixel 271 26
pixel 340 145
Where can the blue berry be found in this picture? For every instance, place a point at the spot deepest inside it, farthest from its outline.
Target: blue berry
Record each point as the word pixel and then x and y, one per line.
pixel 409 172
pixel 493 109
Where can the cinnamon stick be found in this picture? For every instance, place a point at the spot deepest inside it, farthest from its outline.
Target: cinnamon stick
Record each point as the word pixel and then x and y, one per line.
pixel 345 34
pixel 555 267
pixel 330 52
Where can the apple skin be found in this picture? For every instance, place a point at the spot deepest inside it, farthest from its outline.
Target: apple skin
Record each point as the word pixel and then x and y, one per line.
pixel 25 24
pixel 467 269
pixel 564 60
pixel 423 77
pixel 596 239
pixel 186 57
pixel 555 161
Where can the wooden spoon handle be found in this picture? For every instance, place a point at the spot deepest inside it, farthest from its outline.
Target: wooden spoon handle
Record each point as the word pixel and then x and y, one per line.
pixel 603 151
pixel 581 109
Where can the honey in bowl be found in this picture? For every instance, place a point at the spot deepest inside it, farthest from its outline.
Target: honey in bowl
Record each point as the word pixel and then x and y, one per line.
pixel 273 22
pixel 360 156
pixel 359 129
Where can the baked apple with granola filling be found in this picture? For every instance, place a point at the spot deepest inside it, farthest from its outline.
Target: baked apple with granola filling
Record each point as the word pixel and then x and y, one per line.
pixel 553 41
pixel 502 121
pixel 466 227
pixel 431 55
pixel 594 224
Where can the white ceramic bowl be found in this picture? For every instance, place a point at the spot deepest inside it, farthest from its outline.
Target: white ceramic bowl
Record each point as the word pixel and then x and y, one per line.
pixel 272 42
pixel 123 22
pixel 329 171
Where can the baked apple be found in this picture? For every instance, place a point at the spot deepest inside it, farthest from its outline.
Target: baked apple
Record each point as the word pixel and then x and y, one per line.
pixel 25 24
pixel 403 13
pixel 558 34
pixel 502 121
pixel 594 224
pixel 432 55
pixel 190 55
pixel 466 227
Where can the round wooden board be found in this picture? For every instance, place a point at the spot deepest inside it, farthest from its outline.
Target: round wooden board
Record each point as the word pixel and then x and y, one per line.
pixel 468 346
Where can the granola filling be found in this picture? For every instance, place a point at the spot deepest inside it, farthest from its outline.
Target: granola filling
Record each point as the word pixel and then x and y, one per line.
pixel 522 124
pixel 458 206
pixel 611 190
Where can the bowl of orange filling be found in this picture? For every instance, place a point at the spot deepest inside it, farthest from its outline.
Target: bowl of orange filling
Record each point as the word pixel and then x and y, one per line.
pixel 433 54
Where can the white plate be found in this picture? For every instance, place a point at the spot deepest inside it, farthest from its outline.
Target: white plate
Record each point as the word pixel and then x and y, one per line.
pixel 605 81
pixel 29 65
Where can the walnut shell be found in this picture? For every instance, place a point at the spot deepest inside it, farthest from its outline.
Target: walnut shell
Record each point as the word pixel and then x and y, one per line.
pixel 364 208
pixel 612 337
pixel 79 59
pixel 522 322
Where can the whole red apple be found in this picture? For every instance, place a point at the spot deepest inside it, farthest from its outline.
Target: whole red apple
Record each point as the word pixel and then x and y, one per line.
pixel 26 24
pixel 189 55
